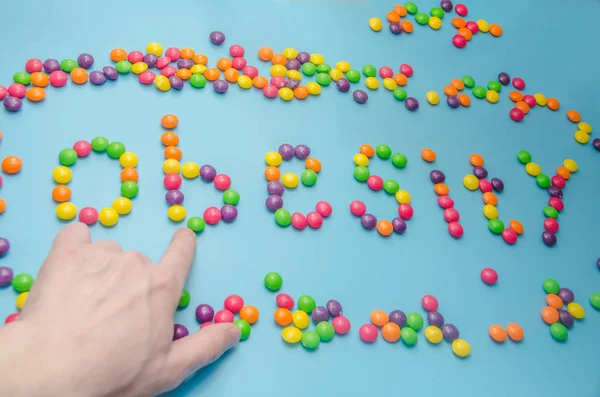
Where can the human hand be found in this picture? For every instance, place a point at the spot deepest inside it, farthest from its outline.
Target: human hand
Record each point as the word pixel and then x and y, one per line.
pixel 99 322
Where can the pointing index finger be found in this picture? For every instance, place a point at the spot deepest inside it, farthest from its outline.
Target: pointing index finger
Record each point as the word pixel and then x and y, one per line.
pixel 180 254
pixel 73 234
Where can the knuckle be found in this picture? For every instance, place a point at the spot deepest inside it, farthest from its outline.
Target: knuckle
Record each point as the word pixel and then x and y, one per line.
pixel 133 257
pixel 165 280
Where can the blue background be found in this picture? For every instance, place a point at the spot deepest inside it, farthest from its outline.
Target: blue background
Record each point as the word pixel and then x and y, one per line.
pixel 550 45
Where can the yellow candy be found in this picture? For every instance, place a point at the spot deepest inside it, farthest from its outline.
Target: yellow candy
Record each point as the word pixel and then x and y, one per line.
pixel 372 83
pixel 198 69
pixel 139 67
pixel 289 180
pixel 317 59
pixel 301 319
pixel 375 24
pixel 294 74
pixel 343 66
pixel 176 213
pixel 403 197
pixel 171 166
pixel 108 217
pixel 290 53
pixel 461 348
pixel 571 165
pixel 540 99
pixel 190 170
pixel 291 334
pixel 533 169
pixel 433 334
pixel 66 211
pixel 361 159
pixel 432 97
pixel 471 182
pixel 154 48
pixel 278 70
pixel 21 299
pixel 585 127
pixel 286 94
pixel 244 82
pixel 62 174
pixel 582 137
pixel 389 84
pixel 128 159
pixel 313 88
pixel 435 23
pixel 122 205
pixel 576 310
pixel 492 96
pixel 162 83
pixel 273 158
pixel 336 74
pixel 484 27
pixel 490 212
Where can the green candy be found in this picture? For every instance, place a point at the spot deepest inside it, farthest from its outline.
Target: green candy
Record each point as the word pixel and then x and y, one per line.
pixel 411 7
pixel 383 151
pixel 468 81
pixel 196 224
pixel 559 332
pixel 99 144
pixel 550 212
pixel 308 178
pixel 185 299
pixel 67 157
pixel 115 150
pixel 310 340
pixel 309 68
pixel 307 304
pixel 244 327
pixel 283 217
pixel 399 160
pixel 595 300
pixel 542 180
pixel 129 189
pixel 325 331
pixel 323 79
pixel 524 157
pixel 22 282
pixel 369 71
pixel 437 12
pixel 361 173
pixel 273 281
pixel 197 80
pixel 353 75
pixel 400 94
pixel 391 186
pixel 123 67
pixel 409 336
pixel 422 18
pixel 22 78
pixel 479 92
pixel 494 86
pixel 323 68
pixel 231 197
pixel 67 65
pixel 551 286
pixel 496 226
pixel 414 321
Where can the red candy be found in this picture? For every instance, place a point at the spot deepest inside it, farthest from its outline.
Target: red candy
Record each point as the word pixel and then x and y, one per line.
pixel 135 56
pixel 459 41
pixel 299 221
pixel 473 27
pixel 509 235
pixel 3 92
pixel 551 225
pixel 556 203
pixel 270 91
pixel 173 53
pixel 445 202
pixel 559 181
pixel 172 181
pixel 314 219
pixel 17 90
pixel 250 71
pixel 88 215
pixel 341 325
pixel 386 72
pixel 58 78
pixel 519 83
pixel 285 301
pixel 212 215
pixel 12 317
pixel 485 186
pixel 530 100
pixel 406 70
pixel 368 333
pixel 236 50
pixel 278 81
pixel 222 181
pixel 238 63
pixel 168 71
pixel 451 215
pixel 224 316
pixel 162 62
pixel 324 208
pixel 358 208
pixel 517 114
pixel 461 10
pixel 429 302
pixel 82 148
pixel 455 229
pixel 34 65
pixel 147 77
pixel 405 211
pixel 489 276
pixel 375 182
pixel 233 303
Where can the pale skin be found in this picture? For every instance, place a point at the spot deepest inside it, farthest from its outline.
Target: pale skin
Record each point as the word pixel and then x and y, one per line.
pixel 99 322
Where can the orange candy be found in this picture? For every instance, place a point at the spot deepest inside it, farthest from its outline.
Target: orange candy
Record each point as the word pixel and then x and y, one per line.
pixel 183 74
pixel 169 121
pixel 553 104
pixel 300 92
pixel 169 138
pixel 515 96
pixel 12 164
pixel 2 205
pixel 231 75
pixel 400 10
pixel 490 198
pixel 400 79
pixel 200 59
pixel 516 226
pixel 283 317
pixel 224 63
pixel 39 79
pixel 272 173
pixel 118 54
pixel 464 100
pixel 36 94
pixel 495 30
pixel 261 82
pixel 554 301
pixel 459 23
pixel 428 155
pixel 476 160
pixel 61 193
pixel 550 315
pixel 367 150
pixel 441 189
pixel 523 106
pixel 212 74
pixel 391 332
pixel 129 174
pixel 456 83
pixel 393 17
pixel 497 333
pixel 385 228
pixel 379 318
pixel 313 164
pixel 265 54
pixel 466 33
pixel 407 26
pixel 565 173
pixel 450 90
pixel 515 332
pixel 574 116
pixel 79 76
pixel 279 59
pixel 187 53
pixel 249 313
pixel 173 152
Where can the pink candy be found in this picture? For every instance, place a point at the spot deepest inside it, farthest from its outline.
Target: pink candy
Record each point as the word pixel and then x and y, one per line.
pixel 509 236
pixel 163 62
pixel 250 71
pixel 17 90
pixel 236 50
pixel 358 208
pixel 485 186
pixel 530 100
pixel 489 276
pixel 285 301
pixel 341 325
pixel 222 181
pixel 368 333
pixel 3 92
pixel 34 65
pixel 314 219
pixel 559 181
pixel 551 225
pixel 212 215
pixel 299 221
pixel 172 181
pixel 88 215
pixel 147 77
pixel 386 72
pixel 375 182
pixel 12 317
pixel 173 53
pixel 83 148
pixel 324 208
pixel 168 71
pixel 519 83
pixel 406 70
pixel 135 56
pixel 224 316
pixel 445 202
pixel 233 303
pixel 430 303
pixel 58 78
pixel 459 41
pixel 270 91
pixel 405 211
pixel 556 203
pixel 517 114
pixel 461 10
pixel 455 229
pixel 278 81
pixel 451 215
pixel 238 63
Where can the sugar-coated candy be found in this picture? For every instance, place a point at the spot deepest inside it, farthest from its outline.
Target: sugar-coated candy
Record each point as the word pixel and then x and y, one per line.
pixel 324 208
pixel 110 72
pixel 594 301
pixel 306 303
pixel 212 215
pixel 217 38
pixel 446 5
pixel 334 307
pixel 461 348
pixel 284 301
pixel 22 282
pixel 559 332
pixel 179 331
pixel 450 332
pixel 368 333
pixel 399 225
pixel 360 96
pixel 6 274
pixel 300 319
pixel 409 336
pixel 301 152
pixel 459 41
pixel 320 314
pixel 341 325
pixel 411 104
pixel 228 213
pixel 576 310
pixel 435 318
pixel 224 316
pixel 566 295
pixel 515 332
pixel 358 208
pixel 429 303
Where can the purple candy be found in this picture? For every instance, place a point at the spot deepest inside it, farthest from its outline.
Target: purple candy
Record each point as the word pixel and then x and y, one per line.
pixel 446 5
pixel 549 238
pixel 221 86
pixel 185 63
pixel 497 185
pixel 504 78
pixel 435 318
pixel 180 331
pixel 6 276
pixel 12 103
pixel 334 307
pixel 399 225
pixel 411 104
pixel 480 172
pixel 287 151
pixel 217 38
pixel 395 28
pixel 229 212
pixel 450 332
pixel 596 143
pixel 437 176
pixel 343 84
pixel 204 313
pixel 598 263
pixel 565 318
pixel 293 64
pixel 208 172
pixel 566 295
pixel 51 65
pixel 110 72
pixel 292 84
pixel 398 317
pixel 453 101
pixel 176 82
pixel 368 221
pixel 302 152
pixel 97 77
pixel 555 191
pixel 4 246
pixel 319 314
pixel 174 197
pixel 274 202
pixel 360 96
pixel 275 188
pixel 303 57
pixel 85 61
pixel 150 60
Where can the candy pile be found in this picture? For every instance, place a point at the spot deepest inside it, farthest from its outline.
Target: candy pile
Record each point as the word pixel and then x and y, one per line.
pixel 554 187
pixel 584 130
pixel 439 330
pixel 514 332
pixel 276 188
pixel 394 327
pixel 560 320
pixel 190 170
pixel 466 29
pixel 376 183
pixel 233 304
pixel 62 175
pixel 21 283
pixel 524 103
pixel 478 179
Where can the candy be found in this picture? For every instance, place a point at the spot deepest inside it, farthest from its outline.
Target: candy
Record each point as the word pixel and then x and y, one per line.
pixel 224 316
pixel 411 104
pixel 368 333
pixel 549 315
pixel 244 327
pixel 391 332
pixel 461 347
pixel 517 114
pixel 399 225
pixel 88 215
pixel 217 38
pixel 176 213
pixel 459 41
pixel 204 313
pixel 320 314
pixel 595 301
pixel 310 340
pixel 409 336
pixel 179 331
pixel 428 155
pixel 283 317
pixel 291 335
pixel 358 208
pixel 22 282
pixel 6 273
pixel 326 331
pixel 375 24
pixel 435 318
pixel 284 300
pixel 360 96
pixel 489 276
pixel 341 325
pixel 446 5
pixel 450 332
pixel 228 213
pixel 559 332
pixel 212 215
pixel 433 334
pixel 432 97
pixel 301 319
pixel 415 321
pixel 196 224
pixel 515 332
pixel 471 182
pixel 576 310
pixel 306 303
